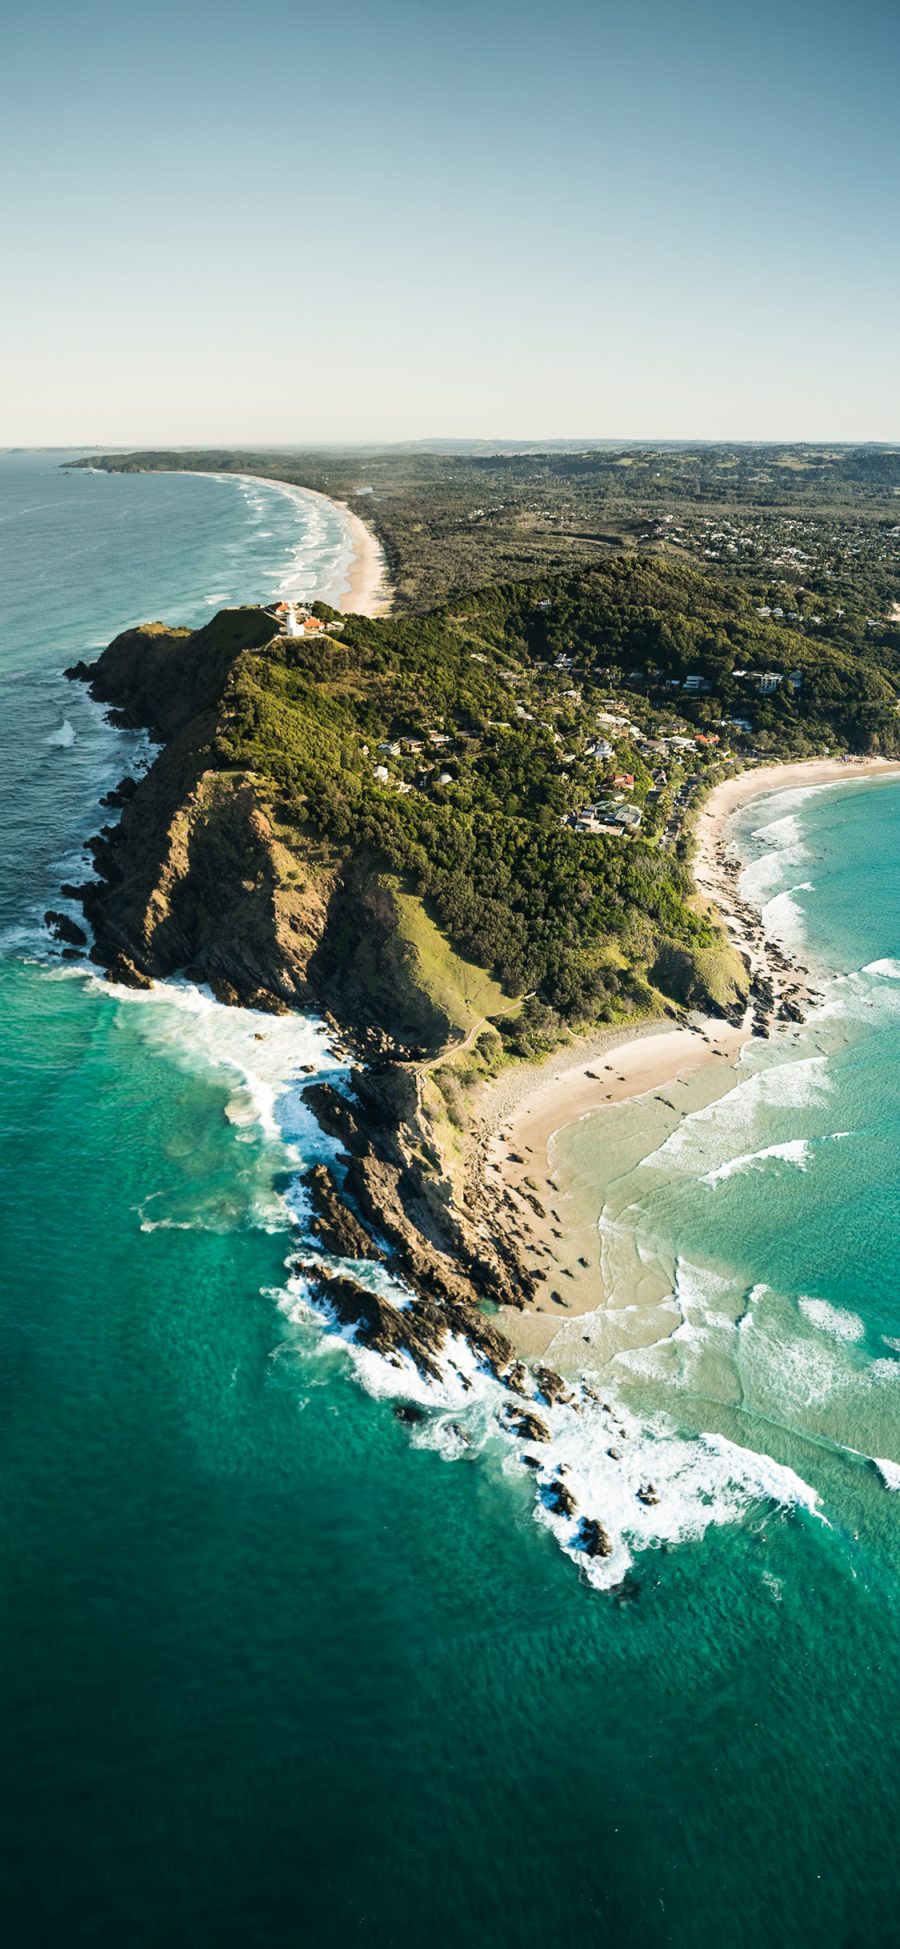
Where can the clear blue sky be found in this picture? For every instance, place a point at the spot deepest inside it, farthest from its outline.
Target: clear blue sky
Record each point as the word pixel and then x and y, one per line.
pixel 267 222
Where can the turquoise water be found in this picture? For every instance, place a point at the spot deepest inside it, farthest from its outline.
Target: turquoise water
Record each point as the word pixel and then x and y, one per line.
pixel 271 1671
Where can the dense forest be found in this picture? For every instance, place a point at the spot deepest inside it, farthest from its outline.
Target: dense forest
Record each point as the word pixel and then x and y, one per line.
pixel 485 715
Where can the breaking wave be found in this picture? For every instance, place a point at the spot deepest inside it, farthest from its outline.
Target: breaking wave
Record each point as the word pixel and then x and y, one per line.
pixel 645 1483
pixel 841 1324
pixel 796 1085
pixel 796 1152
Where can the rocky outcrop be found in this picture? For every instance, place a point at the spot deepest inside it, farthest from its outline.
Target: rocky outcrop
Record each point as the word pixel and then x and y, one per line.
pixel 159 679
pixel 335 1226
pixel 528 1426
pixel 552 1386
pixel 120 794
pixel 592 1538
pixel 421 1331
pixel 64 928
pixel 559 1498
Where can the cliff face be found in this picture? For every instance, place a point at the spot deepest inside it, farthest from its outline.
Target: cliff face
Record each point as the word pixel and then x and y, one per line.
pixel 159 678
pixel 200 875
pixel 191 877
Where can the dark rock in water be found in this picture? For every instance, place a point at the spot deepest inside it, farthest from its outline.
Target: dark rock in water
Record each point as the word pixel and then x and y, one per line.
pixel 386 1328
pixel 334 1225
pixel 529 1426
pixel 65 929
pixel 592 1538
pixel 647 1494
pixel 552 1386
pixel 420 1330
pixel 531 1461
pixel 337 1117
pixel 124 972
pixel 559 1498
pixel 517 1377
pixel 405 1411
pixel 120 793
pixel 225 992
pixel 266 1002
pixel 459 1433
pixel 615 1454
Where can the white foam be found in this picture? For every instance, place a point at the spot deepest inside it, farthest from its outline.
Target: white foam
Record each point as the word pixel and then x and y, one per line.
pixel 268 1054
pixel 783 917
pixel 699 1481
pixel 784 852
pixel 785 1372
pixel 64 738
pixel 795 1152
pixel 889 1472
pixel 796 1085
pixel 888 970
pixel 835 1320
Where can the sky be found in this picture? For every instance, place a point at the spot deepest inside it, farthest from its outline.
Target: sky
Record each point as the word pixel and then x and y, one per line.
pixel 265 223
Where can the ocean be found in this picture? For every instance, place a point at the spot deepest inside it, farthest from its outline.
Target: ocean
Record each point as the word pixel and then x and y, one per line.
pixel 274 1669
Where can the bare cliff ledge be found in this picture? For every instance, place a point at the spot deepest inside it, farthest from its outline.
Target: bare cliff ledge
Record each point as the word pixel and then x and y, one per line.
pixel 200 876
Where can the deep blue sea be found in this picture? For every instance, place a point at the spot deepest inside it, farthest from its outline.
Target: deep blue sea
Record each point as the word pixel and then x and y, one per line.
pixel 273 1671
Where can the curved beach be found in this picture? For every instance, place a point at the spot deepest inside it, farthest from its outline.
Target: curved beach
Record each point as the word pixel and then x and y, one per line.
pixel 369 591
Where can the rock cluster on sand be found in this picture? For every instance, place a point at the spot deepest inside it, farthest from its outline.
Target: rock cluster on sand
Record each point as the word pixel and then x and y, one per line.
pixel 778 990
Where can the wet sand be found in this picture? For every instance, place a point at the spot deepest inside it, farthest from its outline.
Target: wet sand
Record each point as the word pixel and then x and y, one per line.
pixel 511 1174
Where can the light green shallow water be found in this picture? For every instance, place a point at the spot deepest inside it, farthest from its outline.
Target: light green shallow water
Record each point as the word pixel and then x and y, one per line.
pixel 271 1672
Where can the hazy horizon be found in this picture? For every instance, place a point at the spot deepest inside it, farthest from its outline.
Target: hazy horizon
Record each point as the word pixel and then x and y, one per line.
pixel 460 443
pixel 285 229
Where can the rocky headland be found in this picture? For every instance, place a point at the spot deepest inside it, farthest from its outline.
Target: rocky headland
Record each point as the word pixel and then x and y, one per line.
pixel 206 872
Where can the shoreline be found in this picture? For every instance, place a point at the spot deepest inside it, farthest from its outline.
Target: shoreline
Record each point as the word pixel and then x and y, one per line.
pixel 717 869
pixel 508 1164
pixel 369 592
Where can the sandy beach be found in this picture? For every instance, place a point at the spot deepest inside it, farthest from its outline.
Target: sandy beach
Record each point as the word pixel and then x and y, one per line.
pixel 509 1165
pixel 369 593
pixel 510 1171
pixel 717 868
